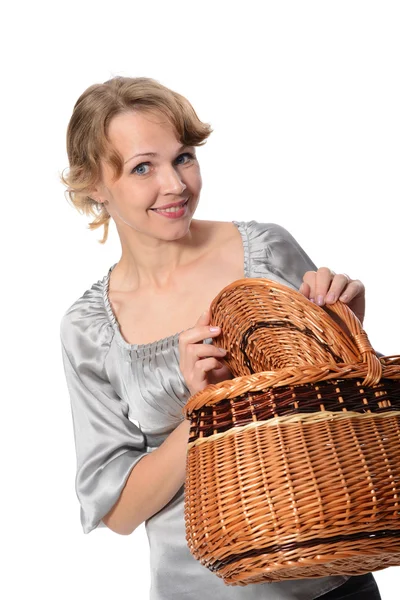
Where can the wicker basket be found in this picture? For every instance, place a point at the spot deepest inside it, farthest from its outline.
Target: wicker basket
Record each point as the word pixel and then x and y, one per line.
pixel 293 467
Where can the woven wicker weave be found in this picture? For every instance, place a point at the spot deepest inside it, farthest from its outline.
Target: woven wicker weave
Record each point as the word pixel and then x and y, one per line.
pixel 293 467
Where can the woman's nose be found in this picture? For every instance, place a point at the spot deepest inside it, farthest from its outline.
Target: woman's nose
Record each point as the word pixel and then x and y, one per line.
pixel 171 182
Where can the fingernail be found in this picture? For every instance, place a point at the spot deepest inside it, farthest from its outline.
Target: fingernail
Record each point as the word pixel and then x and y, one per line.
pixel 330 297
pixel 222 350
pixel 312 300
pixel 214 328
pixel 344 298
pixel 320 300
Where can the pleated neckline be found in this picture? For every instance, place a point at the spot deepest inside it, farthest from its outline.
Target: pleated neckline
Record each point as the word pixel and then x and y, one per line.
pixel 171 340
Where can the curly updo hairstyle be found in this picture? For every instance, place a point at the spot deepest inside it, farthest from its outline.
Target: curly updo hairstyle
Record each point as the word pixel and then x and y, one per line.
pixel 88 142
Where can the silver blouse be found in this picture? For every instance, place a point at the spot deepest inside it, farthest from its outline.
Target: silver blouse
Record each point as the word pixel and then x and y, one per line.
pixel 112 384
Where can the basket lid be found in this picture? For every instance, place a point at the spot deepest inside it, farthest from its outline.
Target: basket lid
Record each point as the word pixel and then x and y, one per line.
pixel 266 326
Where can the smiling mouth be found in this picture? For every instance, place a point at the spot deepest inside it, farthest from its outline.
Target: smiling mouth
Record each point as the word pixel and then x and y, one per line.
pixel 172 208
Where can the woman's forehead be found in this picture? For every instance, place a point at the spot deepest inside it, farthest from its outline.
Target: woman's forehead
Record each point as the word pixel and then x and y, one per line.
pixel 140 126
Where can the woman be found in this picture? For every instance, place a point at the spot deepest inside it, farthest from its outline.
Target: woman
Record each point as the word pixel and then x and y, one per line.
pixel 132 157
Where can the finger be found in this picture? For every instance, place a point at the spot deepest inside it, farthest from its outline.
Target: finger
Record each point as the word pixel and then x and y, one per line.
pixel 309 280
pixel 338 285
pixel 200 376
pixel 305 289
pixel 204 318
pixel 221 367
pixel 322 284
pixel 198 334
pixel 205 365
pixel 198 351
pixel 352 290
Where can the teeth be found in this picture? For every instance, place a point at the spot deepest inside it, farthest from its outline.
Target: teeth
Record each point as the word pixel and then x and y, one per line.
pixel 172 208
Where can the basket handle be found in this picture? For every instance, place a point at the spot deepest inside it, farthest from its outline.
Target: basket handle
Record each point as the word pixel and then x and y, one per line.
pixel 360 338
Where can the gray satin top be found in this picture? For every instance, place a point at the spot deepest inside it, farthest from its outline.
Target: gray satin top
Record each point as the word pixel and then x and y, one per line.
pixel 112 383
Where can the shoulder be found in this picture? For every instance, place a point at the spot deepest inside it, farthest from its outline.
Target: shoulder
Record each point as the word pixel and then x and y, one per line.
pixel 86 322
pixel 273 252
pixel 266 240
pixel 270 236
pixel 257 231
pixel 220 232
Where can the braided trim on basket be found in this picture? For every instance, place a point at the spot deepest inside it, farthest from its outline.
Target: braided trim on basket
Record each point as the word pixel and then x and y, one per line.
pixel 231 388
pixel 307 418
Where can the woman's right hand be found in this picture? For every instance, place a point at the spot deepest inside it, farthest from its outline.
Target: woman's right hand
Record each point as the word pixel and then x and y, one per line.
pixel 200 364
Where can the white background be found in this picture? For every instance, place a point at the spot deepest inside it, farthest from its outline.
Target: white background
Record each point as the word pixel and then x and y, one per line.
pixel 304 100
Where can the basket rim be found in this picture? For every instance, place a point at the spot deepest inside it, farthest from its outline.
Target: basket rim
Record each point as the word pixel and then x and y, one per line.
pixel 289 376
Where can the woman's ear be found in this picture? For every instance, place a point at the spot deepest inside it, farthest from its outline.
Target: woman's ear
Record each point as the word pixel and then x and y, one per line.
pixel 99 194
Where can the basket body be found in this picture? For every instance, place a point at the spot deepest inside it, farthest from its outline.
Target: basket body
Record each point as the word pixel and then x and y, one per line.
pixel 294 472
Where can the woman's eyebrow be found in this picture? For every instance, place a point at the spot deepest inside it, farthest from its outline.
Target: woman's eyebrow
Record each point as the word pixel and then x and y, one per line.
pixel 151 153
pixel 141 154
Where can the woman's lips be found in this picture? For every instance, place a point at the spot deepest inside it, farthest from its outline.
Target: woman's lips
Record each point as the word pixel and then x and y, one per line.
pixel 173 214
pixel 176 205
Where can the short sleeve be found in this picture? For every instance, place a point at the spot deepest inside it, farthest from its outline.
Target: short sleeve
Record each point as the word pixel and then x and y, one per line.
pixel 273 251
pixel 108 445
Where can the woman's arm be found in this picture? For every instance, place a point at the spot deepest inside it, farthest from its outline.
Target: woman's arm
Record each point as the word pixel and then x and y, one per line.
pixel 158 476
pixel 152 483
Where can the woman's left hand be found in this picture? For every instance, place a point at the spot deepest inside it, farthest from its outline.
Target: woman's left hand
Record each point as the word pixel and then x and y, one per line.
pixel 325 287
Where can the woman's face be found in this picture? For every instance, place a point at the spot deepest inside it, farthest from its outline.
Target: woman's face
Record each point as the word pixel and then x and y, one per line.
pixel 157 171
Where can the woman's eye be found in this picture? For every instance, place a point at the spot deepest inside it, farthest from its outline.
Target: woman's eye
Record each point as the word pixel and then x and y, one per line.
pixel 186 155
pixel 141 169
pixel 144 168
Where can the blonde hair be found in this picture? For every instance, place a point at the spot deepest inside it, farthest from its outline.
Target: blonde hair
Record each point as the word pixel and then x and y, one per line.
pixel 87 134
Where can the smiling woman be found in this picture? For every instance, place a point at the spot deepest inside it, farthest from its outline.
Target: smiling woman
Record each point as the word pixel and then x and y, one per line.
pixel 96 134
pixel 134 346
pixel 170 174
